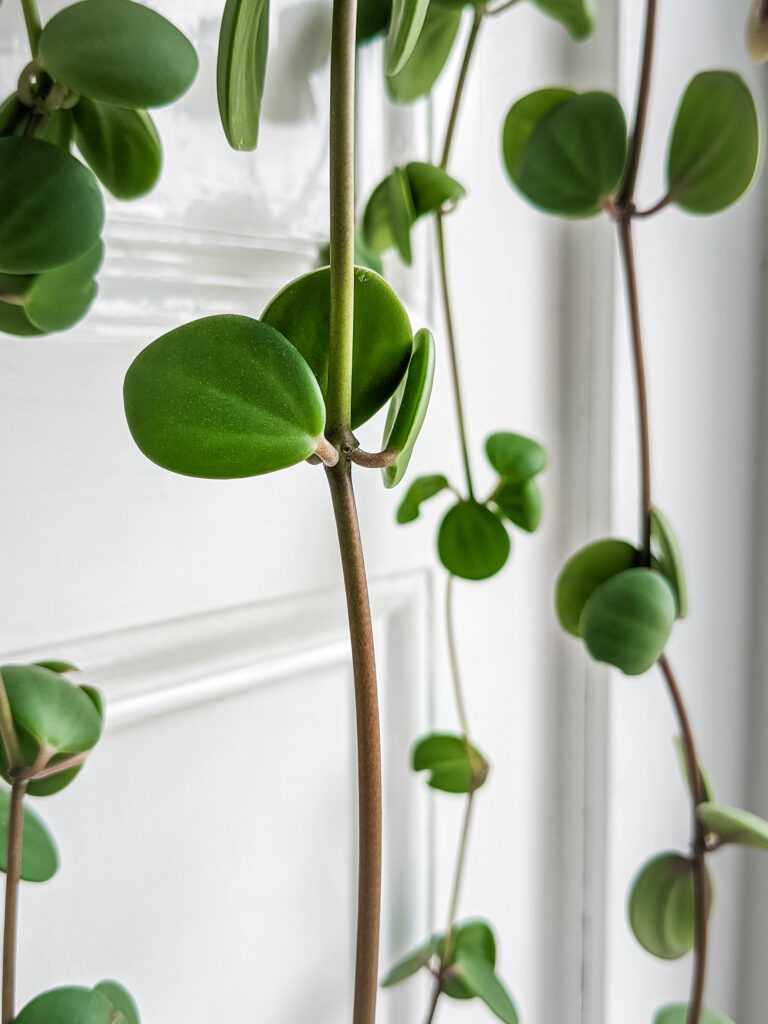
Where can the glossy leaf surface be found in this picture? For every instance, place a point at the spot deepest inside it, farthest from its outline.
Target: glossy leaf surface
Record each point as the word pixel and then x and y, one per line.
pixel 411 963
pixel 408 407
pixel 67 1006
pixel 120 999
pixel 50 709
pixel 454 766
pixel 520 121
pixel 430 54
pixel 58 666
pixel 60 298
pixel 481 980
pixel 432 187
pixel 670 558
pixel 241 70
pixel 376 227
pixel 715 143
pixel 734 825
pixel 578 16
pixel 401 212
pixel 404 30
pixel 39 857
pixel 119 52
pixel 422 489
pixel 583 573
pixel 514 457
pixel 472 542
pixel 121 147
pixel 662 906
pixel 53 212
pixel 13 320
pixel 382 341
pixel 677 1013
pixel 520 503
pixel 223 397
pixel 627 620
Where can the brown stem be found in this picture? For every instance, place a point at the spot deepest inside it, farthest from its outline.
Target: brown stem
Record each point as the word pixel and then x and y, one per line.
pixel 12 878
pixel 436 993
pixel 372 460
pixel 368 742
pixel 641 111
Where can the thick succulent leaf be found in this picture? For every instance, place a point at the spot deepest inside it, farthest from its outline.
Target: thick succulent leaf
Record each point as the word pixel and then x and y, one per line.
pixel 715 143
pixel 67 1006
pixel 53 212
pixel 223 397
pixel 734 825
pixel 411 963
pixel 514 457
pixel 583 573
pixel 670 558
pixel 627 620
pixel 662 906
pixel 574 156
pixel 677 1013
pixel 430 54
pixel 481 980
pixel 39 856
pixel 404 30
pixel 242 69
pixel 409 407
pixel 52 711
pixel 422 489
pixel 120 999
pixel 13 320
pixel 373 17
pixel 119 52
pixel 121 147
pixel 382 341
pixel 431 187
pixel 454 765
pixel 472 542
pixel 520 503
pixel 402 214
pixel 15 284
pixel 59 298
pixel 578 16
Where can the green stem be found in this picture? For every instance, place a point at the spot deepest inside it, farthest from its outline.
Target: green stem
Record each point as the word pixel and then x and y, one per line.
pixel 8 731
pixel 457 880
pixel 461 709
pixel 33 23
pixel 12 878
pixel 626 195
pixel 477 21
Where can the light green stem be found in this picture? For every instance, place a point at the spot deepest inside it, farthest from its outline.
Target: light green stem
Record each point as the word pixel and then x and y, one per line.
pixel 33 23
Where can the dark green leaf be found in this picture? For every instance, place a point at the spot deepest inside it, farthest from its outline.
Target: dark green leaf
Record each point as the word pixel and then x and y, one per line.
pixel 404 30
pixel 715 143
pixel 422 489
pixel 121 146
pixel 627 620
pixel 242 69
pixel 430 54
pixel 67 1006
pixel 61 667
pixel 13 114
pixel 120 1000
pixel 670 558
pixel 432 188
pixel 472 542
pixel 734 825
pixel 53 212
pixel 409 407
pixel 58 129
pixel 514 457
pixel 401 212
pixel 677 1013
pixel 454 765
pixel 39 857
pixel 583 573
pixel 223 397
pixel 480 978
pixel 411 963
pixel 119 52
pixel 578 16
pixel 59 298
pixel 662 906
pixel 383 335
pixel 372 19
pixel 13 320
pixel 520 121
pixel 520 503
pixel 15 284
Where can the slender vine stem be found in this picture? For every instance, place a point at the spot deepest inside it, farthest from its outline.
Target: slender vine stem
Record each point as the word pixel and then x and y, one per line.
pixel 626 195
pixel 437 991
pixel 461 709
pixel 8 735
pixel 477 21
pixel 458 877
pixel 33 23
pixel 12 878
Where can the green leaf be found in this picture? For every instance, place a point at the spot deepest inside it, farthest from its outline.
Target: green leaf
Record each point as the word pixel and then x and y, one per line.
pixel 411 963
pixel 473 938
pixel 67 1006
pixel 578 16
pixel 373 18
pixel 13 320
pixel 59 298
pixel 662 906
pixel 480 978
pixel 404 30
pixel 383 336
pixel 376 228
pixel 39 856
pixel 401 212
pixel 472 542
pixel 120 999
pixel 422 489
pixel 432 187
pixel 627 620
pixel 118 52
pixel 677 1013
pixel 715 143
pixel 364 257
pixel 409 407
pixel 514 457
pixel 242 69
pixel 15 284
pixel 53 212
pixel 670 559
pixel 121 146
pixel 520 503
pixel 521 120
pixel 733 825
pixel 13 114
pixel 223 397
pixel 96 697
pixel 683 762
pixel 430 54
pixel 574 156
pixel 583 573
pixel 454 765
pixel 60 667
pixel 58 129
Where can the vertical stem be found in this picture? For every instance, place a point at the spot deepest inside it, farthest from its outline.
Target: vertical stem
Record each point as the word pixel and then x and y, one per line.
pixel 368 742
pixel 457 880
pixel 641 111
pixel 436 993
pixel 477 20
pixel 458 694
pixel 12 878
pixel 32 21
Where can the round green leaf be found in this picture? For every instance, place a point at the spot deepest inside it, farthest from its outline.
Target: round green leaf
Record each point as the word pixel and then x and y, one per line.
pixel 431 187
pixel 373 18
pixel 118 52
pixel 39 856
pixel 472 542
pixel 578 16
pixel 662 906
pixel 480 979
pixel 404 30
pixel 223 397
pixel 627 620
pixel 734 825
pixel 409 407
pixel 472 938
pixel 241 70
pixel 422 489
pixel 59 298
pixel 364 257
pixel 670 558
pixel 382 340
pixel 715 143
pixel 520 503
pixel 401 212
pixel 53 212
pixel 13 320
pixel 583 573
pixel 574 156
pixel 15 284
pixel 58 666
pixel 121 146
pixel 376 228
pixel 454 765
pixel 67 1006
pixel 430 54
pixel 411 964
pixel 520 121
pixel 120 999
pixel 514 457
pixel 677 1013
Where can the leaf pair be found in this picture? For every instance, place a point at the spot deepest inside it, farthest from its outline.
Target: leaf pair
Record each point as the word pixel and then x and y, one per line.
pixel 107 1003
pixel 454 765
pixel 662 910
pixel 518 460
